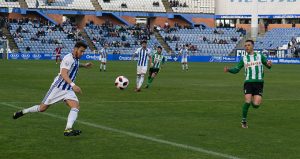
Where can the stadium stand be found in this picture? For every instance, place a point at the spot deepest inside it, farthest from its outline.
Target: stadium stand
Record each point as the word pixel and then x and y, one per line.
pixel 193 6
pixel 133 5
pixel 276 38
pixel 9 4
pixel 121 39
pixel 203 41
pixel 36 37
pixel 61 4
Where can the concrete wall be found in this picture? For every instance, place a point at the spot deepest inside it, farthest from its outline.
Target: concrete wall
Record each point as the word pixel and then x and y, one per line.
pixel 247 7
pixel 208 21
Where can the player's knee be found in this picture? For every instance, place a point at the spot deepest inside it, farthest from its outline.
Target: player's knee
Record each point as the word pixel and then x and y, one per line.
pixel 76 107
pixel 255 105
pixel 247 100
pixel 43 108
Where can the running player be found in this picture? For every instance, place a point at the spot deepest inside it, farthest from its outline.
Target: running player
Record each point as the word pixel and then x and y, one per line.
pixel 103 54
pixel 63 88
pixel 143 54
pixel 157 61
pixel 184 52
pixel 254 82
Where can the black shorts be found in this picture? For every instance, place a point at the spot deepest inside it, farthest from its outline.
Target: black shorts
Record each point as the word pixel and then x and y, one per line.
pixel 254 88
pixel 153 70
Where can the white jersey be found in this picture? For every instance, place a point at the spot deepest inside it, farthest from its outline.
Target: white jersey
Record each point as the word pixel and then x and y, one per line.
pixel 184 53
pixel 143 56
pixel 103 53
pixel 70 63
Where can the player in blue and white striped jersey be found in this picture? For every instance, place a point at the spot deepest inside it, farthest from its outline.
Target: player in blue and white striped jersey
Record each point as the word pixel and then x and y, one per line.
pixel 103 54
pixel 63 88
pixel 144 55
pixel 184 52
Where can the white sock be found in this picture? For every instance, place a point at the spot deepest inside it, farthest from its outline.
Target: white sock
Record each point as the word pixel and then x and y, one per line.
pixel 187 66
pixel 104 67
pixel 137 81
pixel 100 66
pixel 141 81
pixel 182 66
pixel 32 109
pixel 72 117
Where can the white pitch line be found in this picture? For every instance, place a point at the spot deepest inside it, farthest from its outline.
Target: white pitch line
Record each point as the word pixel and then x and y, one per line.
pixel 139 136
pixel 165 101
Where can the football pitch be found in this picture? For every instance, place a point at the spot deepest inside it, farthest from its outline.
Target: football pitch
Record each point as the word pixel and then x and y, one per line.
pixel 191 114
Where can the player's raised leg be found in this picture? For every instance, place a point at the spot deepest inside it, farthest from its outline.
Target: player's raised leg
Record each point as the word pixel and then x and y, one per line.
pixel 33 109
pixel 149 77
pixel 150 80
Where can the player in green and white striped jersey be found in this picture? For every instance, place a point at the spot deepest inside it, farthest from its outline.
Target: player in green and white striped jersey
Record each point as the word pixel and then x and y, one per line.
pixel 254 74
pixel 157 60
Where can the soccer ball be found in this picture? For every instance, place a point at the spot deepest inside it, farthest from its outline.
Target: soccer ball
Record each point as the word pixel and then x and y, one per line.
pixel 121 82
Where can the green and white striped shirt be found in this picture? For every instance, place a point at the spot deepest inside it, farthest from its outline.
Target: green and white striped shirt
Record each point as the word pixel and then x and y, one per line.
pixel 254 71
pixel 157 60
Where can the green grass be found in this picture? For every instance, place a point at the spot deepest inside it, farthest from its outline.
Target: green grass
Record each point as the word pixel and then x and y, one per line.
pixel 200 108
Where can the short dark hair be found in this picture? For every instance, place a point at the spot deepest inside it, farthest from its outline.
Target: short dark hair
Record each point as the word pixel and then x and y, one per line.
pixel 81 44
pixel 144 41
pixel 250 41
pixel 159 47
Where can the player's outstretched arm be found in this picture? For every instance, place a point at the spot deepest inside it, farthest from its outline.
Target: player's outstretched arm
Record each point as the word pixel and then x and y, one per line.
pixel 235 69
pixel 86 65
pixel 65 76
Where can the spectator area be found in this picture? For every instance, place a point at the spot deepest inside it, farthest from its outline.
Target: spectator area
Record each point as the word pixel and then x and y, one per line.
pixel 203 41
pixel 277 38
pixel 36 37
pixel 121 39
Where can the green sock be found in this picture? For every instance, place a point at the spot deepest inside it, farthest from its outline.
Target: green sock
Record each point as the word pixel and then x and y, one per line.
pixel 245 111
pixel 254 106
pixel 151 80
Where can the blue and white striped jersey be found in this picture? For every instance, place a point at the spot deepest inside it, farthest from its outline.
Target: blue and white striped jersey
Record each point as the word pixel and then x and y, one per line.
pixel 184 53
pixel 143 56
pixel 104 53
pixel 70 63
